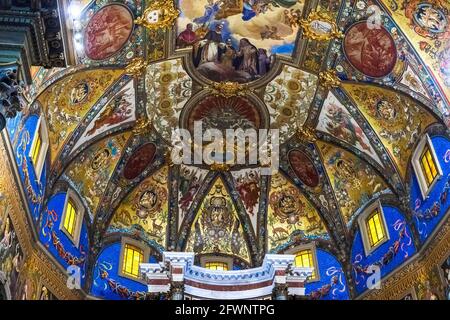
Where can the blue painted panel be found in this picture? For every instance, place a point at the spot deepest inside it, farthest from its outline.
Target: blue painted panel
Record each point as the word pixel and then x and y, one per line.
pixel 389 255
pixel 57 243
pixel 107 283
pixel 34 188
pixel 428 213
pixel 332 284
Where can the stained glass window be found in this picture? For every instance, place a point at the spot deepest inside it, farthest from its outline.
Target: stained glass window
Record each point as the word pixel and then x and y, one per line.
pixel 429 168
pixel 70 218
pixel 305 259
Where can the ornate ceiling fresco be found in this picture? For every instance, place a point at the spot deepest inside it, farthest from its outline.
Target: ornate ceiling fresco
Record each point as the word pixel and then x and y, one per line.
pixel 351 103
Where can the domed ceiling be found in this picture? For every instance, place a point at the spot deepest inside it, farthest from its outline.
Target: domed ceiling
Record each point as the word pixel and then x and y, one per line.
pixel 351 89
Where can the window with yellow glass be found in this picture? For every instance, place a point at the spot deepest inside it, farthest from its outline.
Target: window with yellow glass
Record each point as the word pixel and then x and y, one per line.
pixel 132 258
pixel 70 218
pixel 305 259
pixel 36 148
pixel 428 165
pixel 216 265
pixel 375 228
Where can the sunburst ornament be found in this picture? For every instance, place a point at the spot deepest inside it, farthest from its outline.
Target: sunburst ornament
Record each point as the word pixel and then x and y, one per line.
pixel 160 14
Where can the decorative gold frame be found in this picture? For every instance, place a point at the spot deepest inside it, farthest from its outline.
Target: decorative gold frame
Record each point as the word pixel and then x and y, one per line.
pixel 309 33
pixel 229 89
pixel 168 13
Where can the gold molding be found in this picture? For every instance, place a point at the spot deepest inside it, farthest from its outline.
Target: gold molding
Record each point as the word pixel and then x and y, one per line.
pixel 136 67
pixel 166 11
pixel 329 79
pixel 319 17
pixel 229 89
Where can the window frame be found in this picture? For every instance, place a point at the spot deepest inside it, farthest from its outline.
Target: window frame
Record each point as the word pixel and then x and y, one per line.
pixel 312 247
pixel 417 166
pixel 42 131
pixel 137 244
pixel 79 209
pixel 362 222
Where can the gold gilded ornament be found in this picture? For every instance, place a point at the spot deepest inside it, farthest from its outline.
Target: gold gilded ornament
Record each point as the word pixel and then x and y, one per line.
pixel 159 14
pixel 329 79
pixel 229 89
pixel 136 67
pixel 319 26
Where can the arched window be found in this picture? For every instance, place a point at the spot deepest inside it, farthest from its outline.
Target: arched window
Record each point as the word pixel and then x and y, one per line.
pixel 72 217
pixel 426 166
pixel 217 262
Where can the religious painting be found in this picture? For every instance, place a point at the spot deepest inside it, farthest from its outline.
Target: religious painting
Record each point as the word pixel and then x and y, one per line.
pixel 145 209
pixel 121 109
pixel 217 228
pixel 248 185
pixel 11 255
pixel 397 119
pixel 445 271
pixel 354 181
pixel 411 80
pixel 162 80
pixel 90 173
pixel 139 160
pixel 288 98
pixel 108 31
pixel 190 181
pixel 370 51
pixel 68 101
pixel 237 40
pixel 336 120
pixel 303 168
pixel 291 217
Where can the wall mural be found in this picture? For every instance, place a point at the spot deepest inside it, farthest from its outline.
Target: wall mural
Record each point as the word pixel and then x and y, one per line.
pixel 11 256
pixel 389 255
pixel 332 284
pixel 121 109
pixel 291 217
pixel 217 228
pixel 145 209
pixel 288 98
pixel 304 168
pixel 428 212
pixel 168 89
pixel 107 31
pixel 90 173
pixel 237 40
pixel 191 179
pixel 336 120
pixel 426 24
pixel 397 119
pixel 108 284
pixel 68 101
pixel 372 51
pixel 354 181
pixel 248 185
pixel 60 246
pixel 34 186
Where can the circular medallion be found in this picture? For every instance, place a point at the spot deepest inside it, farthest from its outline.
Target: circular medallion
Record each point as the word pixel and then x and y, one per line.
pixel 370 51
pixel 139 160
pixel 108 31
pixel 304 168
pixel 100 159
pixel 430 18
